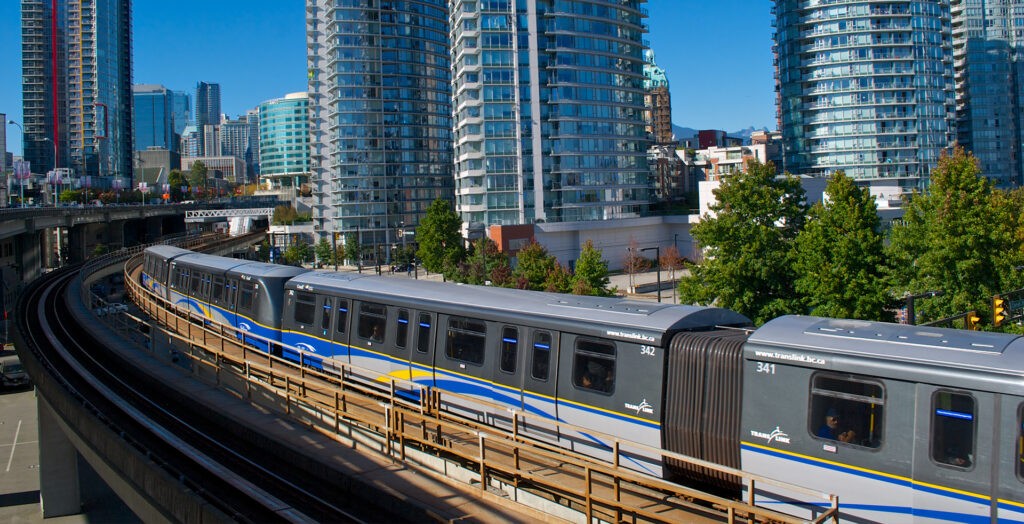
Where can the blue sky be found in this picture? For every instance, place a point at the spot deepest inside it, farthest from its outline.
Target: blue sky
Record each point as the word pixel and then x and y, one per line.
pixel 716 53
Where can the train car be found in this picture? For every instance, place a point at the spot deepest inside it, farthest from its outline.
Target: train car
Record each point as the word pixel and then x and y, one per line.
pixel 156 264
pixel 591 362
pixel 242 294
pixel 904 423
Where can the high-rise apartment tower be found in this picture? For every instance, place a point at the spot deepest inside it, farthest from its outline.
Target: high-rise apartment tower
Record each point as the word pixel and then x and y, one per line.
pixel 380 111
pixel 77 85
pixel 864 86
pixel 988 58
pixel 549 111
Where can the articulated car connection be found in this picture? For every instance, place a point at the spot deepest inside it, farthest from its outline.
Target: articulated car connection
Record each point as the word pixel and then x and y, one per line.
pixel 904 423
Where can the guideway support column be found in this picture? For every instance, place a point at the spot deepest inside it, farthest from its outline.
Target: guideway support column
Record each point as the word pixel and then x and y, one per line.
pixel 59 490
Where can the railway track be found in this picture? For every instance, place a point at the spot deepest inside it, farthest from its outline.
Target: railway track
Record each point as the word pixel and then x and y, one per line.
pixel 179 439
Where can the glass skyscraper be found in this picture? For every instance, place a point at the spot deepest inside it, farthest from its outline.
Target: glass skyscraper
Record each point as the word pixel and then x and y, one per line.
pixel 549 111
pixel 77 85
pixel 284 142
pixel 380 111
pixel 153 112
pixel 864 86
pixel 988 45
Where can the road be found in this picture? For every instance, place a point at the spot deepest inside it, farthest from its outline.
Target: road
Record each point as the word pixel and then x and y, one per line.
pixel 19 471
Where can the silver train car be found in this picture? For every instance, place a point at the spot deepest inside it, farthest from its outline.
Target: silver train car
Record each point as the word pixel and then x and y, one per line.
pixel 904 423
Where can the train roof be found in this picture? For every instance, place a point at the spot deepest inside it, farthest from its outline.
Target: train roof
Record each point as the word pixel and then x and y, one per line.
pixel 167 251
pixel 236 265
pixel 878 344
pixel 607 311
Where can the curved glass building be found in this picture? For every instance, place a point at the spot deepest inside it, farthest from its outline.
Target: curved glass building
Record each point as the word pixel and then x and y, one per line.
pixel 865 86
pixel 284 142
pixel 549 111
pixel 380 111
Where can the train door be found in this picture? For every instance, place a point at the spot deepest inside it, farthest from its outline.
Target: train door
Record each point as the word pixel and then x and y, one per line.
pixel 340 336
pixel 421 355
pixel 463 366
pixel 953 454
pixel 369 342
pixel 540 385
pixel 1010 478
pixel 587 382
pixel 231 300
pixel 507 372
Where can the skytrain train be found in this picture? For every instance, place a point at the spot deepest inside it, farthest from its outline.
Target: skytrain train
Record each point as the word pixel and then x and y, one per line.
pixel 903 423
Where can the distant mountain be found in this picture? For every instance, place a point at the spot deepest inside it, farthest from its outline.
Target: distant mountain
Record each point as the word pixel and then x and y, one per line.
pixel 683 133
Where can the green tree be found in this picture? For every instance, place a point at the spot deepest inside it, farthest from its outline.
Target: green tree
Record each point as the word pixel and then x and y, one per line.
pixel 197 174
pixel 952 239
pixel 840 258
pixel 298 253
pixel 480 265
pixel 324 252
pixel 440 238
pixel 284 215
pixel 748 245
pixel 559 280
pixel 352 248
pixel 533 264
pixel 591 273
pixel 176 179
pixel 263 251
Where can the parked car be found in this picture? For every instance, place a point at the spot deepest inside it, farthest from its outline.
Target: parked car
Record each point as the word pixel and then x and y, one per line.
pixel 12 374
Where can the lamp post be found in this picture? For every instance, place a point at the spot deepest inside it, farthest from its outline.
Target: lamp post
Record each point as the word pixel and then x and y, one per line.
pixel 48 139
pixel 21 183
pixel 657 254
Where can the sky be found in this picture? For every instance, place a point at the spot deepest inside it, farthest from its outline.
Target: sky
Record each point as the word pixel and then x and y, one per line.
pixel 716 54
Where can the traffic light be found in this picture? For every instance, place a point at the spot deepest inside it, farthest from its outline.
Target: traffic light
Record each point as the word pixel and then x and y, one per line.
pixel 999 313
pixel 971 320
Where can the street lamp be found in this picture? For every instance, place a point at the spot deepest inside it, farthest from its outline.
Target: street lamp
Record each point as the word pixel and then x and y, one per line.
pixel 657 255
pixel 47 139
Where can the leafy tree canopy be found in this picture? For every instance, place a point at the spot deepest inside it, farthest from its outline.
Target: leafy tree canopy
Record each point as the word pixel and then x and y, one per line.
pixel 840 258
pixel 748 241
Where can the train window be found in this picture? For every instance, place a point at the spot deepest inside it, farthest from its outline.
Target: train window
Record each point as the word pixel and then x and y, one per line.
pixel 305 308
pixel 218 288
pixel 1020 442
pixel 953 429
pixel 246 295
pixel 194 283
pixel 423 337
pixel 403 328
pixel 342 315
pixel 509 348
pixel 466 339
pixel 847 409
pixel 325 318
pixel 594 365
pixel 541 358
pixel 373 318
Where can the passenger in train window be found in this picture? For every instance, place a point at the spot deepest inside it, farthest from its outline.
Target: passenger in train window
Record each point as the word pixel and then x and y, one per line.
pixel 830 428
